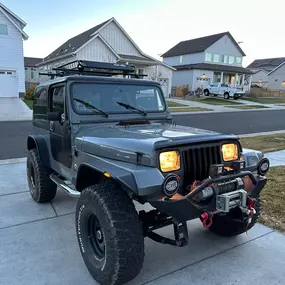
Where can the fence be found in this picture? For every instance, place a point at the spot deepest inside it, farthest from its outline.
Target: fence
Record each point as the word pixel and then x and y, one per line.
pixel 179 91
pixel 260 92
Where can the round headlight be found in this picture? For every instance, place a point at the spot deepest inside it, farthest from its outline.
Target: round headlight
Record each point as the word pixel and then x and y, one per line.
pixel 263 166
pixel 171 185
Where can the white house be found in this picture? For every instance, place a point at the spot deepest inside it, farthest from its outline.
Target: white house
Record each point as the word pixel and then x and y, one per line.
pixel 109 42
pixel 269 73
pixel 12 74
pixel 201 61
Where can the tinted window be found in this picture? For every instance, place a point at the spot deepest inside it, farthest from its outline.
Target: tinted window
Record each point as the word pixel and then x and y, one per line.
pixel 57 99
pixel 107 96
pixel 40 108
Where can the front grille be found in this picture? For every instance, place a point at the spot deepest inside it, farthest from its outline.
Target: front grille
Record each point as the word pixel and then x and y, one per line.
pixel 197 162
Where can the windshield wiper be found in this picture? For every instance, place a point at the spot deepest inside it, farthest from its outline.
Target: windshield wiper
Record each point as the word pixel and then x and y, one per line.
pixel 127 106
pixel 88 105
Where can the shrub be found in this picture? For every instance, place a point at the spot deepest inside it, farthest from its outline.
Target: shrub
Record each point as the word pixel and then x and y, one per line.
pixel 30 92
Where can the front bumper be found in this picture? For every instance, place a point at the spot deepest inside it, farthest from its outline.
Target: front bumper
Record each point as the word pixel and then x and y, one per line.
pixel 186 208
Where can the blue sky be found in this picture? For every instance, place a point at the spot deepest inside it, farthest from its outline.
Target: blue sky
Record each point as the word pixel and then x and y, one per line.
pixel 155 25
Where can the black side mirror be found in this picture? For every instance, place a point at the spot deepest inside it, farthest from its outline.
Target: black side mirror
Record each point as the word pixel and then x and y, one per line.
pixel 54 116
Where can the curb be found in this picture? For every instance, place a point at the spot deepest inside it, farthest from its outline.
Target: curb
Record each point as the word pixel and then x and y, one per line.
pixel 261 134
pixel 13 161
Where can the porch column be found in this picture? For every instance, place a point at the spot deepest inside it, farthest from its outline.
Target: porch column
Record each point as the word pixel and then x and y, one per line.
pixel 242 80
pixel 236 76
pixel 222 77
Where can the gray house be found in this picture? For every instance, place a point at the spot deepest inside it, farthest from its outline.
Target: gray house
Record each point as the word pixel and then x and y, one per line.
pixel 269 73
pixel 31 71
pixel 201 61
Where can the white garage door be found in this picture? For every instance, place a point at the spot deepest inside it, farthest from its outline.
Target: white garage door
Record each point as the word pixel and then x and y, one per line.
pixel 8 84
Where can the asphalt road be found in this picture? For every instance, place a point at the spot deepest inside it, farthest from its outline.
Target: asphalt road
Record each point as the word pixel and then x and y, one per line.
pixel 13 135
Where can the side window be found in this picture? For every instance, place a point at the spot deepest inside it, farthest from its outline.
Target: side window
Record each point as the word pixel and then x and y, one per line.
pixel 57 99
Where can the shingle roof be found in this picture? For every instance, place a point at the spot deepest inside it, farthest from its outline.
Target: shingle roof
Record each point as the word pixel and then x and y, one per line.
pixel 216 67
pixel 74 43
pixel 31 61
pixel 267 64
pixel 198 45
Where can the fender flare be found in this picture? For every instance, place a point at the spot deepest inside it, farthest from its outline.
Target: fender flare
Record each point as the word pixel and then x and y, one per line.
pixel 142 181
pixel 39 142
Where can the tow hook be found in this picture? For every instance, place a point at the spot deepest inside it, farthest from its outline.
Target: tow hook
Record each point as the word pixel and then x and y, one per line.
pixel 207 219
pixel 251 207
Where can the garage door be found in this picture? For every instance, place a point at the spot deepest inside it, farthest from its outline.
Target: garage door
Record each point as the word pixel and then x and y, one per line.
pixel 8 84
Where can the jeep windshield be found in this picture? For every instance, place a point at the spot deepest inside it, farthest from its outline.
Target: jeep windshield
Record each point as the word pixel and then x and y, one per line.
pixel 105 97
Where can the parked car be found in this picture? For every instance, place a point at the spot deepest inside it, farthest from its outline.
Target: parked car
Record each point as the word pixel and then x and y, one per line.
pixel 223 89
pixel 112 142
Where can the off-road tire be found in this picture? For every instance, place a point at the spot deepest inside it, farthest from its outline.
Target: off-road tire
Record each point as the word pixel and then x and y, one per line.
pixel 42 189
pixel 122 258
pixel 206 92
pixel 228 227
pixel 227 95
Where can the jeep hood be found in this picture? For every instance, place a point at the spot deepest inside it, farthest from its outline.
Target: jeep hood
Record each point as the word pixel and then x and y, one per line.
pixel 125 143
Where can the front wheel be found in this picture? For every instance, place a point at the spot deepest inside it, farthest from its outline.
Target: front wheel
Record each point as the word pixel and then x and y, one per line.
pixel 227 95
pixel 231 225
pixel 109 234
pixel 206 92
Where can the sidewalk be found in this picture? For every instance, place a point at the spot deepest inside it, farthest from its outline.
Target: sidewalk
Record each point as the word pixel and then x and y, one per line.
pixel 39 245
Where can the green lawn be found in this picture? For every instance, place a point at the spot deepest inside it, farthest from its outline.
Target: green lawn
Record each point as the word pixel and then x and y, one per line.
pixel 29 103
pixel 174 104
pixel 190 109
pixel 249 107
pixel 265 100
pixel 216 101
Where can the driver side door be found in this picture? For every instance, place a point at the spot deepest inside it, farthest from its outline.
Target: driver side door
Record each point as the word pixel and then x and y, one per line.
pixel 60 131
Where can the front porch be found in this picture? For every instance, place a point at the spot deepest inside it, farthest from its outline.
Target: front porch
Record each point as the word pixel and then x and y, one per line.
pixel 239 80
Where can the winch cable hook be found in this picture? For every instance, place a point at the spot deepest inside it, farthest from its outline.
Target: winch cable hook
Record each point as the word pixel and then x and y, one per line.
pixel 207 219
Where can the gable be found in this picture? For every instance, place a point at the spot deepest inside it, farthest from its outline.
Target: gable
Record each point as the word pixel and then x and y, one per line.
pixel 280 70
pixel 225 46
pixel 12 30
pixel 117 39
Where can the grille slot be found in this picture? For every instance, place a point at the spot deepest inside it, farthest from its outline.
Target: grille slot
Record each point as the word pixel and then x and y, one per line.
pixel 197 162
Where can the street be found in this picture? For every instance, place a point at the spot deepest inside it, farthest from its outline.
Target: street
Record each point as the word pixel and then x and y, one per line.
pixel 14 134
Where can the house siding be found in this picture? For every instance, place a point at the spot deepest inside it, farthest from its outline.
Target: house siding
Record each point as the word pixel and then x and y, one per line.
pixel 183 77
pixel 11 48
pixel 118 40
pixel 197 74
pixel 224 46
pixel 276 78
pixel 260 75
pixel 96 50
pixel 186 59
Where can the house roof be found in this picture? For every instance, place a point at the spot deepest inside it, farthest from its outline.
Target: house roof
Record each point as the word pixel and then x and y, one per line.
pixel 198 45
pixel 31 61
pixel 267 64
pixel 13 18
pixel 74 43
pixel 214 67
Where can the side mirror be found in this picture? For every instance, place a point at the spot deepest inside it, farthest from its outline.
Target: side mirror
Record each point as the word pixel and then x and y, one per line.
pixel 54 116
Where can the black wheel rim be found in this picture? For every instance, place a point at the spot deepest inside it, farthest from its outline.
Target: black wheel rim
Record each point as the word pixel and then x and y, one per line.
pixel 96 237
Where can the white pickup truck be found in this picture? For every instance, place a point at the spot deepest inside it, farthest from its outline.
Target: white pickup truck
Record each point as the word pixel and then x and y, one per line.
pixel 224 89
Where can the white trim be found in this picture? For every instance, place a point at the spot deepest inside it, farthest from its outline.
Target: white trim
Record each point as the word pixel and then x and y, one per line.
pixel 276 68
pixel 54 59
pixel 13 14
pixel 25 36
pixel 103 40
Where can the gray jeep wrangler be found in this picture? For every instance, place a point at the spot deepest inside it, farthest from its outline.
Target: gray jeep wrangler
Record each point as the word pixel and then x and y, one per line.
pixel 103 136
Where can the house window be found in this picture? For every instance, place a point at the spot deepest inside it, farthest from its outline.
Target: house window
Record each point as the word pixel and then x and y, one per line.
pixel 32 74
pixel 140 71
pixel 231 59
pixel 224 59
pixel 216 58
pixel 9 72
pixel 208 56
pixel 238 59
pixel 3 29
pixel 181 59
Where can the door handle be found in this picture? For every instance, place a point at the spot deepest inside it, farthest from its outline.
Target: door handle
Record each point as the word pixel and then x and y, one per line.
pixel 51 126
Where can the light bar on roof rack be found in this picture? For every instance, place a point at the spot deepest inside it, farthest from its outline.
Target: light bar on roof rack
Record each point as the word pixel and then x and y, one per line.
pixel 84 67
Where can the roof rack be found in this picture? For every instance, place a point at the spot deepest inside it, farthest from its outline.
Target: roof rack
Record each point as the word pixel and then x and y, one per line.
pixel 84 67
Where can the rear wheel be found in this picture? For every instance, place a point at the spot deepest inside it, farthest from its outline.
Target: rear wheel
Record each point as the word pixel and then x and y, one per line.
pixel 206 92
pixel 231 224
pixel 41 187
pixel 109 234
pixel 227 95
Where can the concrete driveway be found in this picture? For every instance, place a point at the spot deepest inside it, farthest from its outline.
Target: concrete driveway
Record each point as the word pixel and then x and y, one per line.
pixel 38 246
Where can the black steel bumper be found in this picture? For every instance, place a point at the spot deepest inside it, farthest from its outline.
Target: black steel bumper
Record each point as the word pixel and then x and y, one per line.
pixel 186 209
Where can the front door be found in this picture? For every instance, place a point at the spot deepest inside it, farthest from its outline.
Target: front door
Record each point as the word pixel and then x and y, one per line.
pixel 60 131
